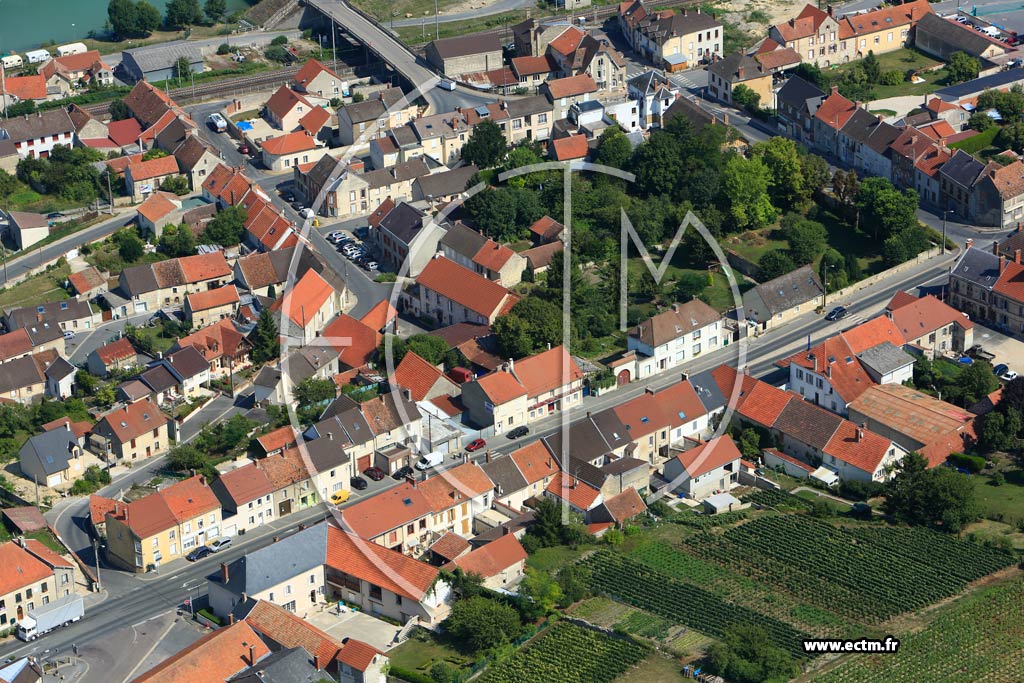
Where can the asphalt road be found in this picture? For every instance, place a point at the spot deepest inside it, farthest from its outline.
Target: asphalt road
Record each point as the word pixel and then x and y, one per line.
pixel 494 8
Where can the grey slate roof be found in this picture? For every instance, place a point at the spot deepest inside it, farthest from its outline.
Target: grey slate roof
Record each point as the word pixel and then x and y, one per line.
pixel 707 390
pixel 649 82
pixel 789 290
pixel 276 563
pixel 729 67
pixel 885 358
pixel 472 44
pixel 19 373
pixel 446 182
pixel 32 126
pixel 404 222
pixel 52 312
pixel 527 105
pixel 164 55
pixel 808 423
pixel 1000 79
pixel 505 474
pixel 187 362
pixel 962 169
pixel 796 91
pixel 139 280
pixel 158 378
pixel 955 35
pixel 883 135
pixel 859 126
pixel 293 665
pixel 978 266
pixel 52 450
pixel 326 453
pixel 463 240
pixel 59 369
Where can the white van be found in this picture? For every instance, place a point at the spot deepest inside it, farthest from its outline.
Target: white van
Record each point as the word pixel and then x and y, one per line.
pixel 71 49
pixel 37 56
pixel 12 61
pixel 430 460
pixel 990 31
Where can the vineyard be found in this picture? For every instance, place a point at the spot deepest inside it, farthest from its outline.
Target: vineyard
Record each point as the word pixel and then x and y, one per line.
pixel 570 653
pixel 637 584
pixel 981 639
pixel 867 574
pixel 780 500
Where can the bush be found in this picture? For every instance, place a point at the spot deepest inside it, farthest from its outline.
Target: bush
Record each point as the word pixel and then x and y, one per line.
pixel 223 49
pixel 893 77
pixel 971 463
pixel 278 54
pixel 280 40
pixel 408 675
pixel 998 479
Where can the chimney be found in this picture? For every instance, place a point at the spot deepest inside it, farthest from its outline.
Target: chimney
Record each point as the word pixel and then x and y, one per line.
pixel 675 307
pixel 504 530
pixel 487 455
pixel 67 426
pixel 995 248
pixel 231 619
pixel 649 390
pixel 412 480
pixel 330 436
pixel 316 663
pixel 1016 256
pixel 739 73
pixel 252 655
pixel 407 393
pixel 1002 263
pixel 835 88
pixel 511 364
pixel 860 434
pixel 202 479
pixel 829 9
pixel 224 576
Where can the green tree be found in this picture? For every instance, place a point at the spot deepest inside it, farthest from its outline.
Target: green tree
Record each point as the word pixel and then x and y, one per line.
pixel 999 430
pixel 227 228
pixel 119 110
pixel 541 589
pixel 177 184
pixel 750 443
pixel 185 457
pixel 443 672
pixel 520 156
pixel 147 17
pixel 277 53
pixel 429 347
pixel 182 13
pixel 513 335
pixel 746 98
pixel 266 341
pixel 122 17
pixel 981 121
pixel 479 623
pixel 485 146
pixel 962 67
pixel 893 77
pixel 613 148
pixel 1010 136
pixel 872 69
pixel 745 654
pixel 845 185
pixel 745 188
pixel 1010 105
pixel 8 184
pixel 975 382
pixel 806 238
pixel 177 240
pixel 182 68
pixel 539 320
pixel 938 497
pixel 786 180
pixel 224 49
pixel 279 40
pixel 129 247
pixel 816 173
pixel 214 10
pixel 773 264
pixel 885 210
pixel 315 391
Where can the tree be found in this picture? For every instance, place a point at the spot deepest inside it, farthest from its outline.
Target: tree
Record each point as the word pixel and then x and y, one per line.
pixel 750 443
pixel 8 184
pixel 227 228
pixel 872 69
pixel 745 188
pixel 129 247
pixel 185 457
pixel 806 239
pixel 975 382
pixel 613 148
pixel 999 429
pixel 119 110
pixel 746 98
pixel 539 320
pixel 427 346
pixel 279 40
pixel 277 53
pixel 177 240
pixel 266 341
pixel 816 173
pixel 480 623
pixel 147 17
pixel 962 67
pixel 981 121
pixel 443 672
pixel 214 10
pixel 182 68
pixel 773 264
pixel 1010 105
pixel 513 336
pixel 811 73
pixel 485 146
pixel 315 391
pixel 122 17
pixel 893 77
pixel 940 497
pixel 177 184
pixel 224 49
pixel 541 589
pixel 786 180
pixel 182 13
pixel 884 209
pixel 518 157
pixel 745 654
pixel 845 186
pixel 1010 136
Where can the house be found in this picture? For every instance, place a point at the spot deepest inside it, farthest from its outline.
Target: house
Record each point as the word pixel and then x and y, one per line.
pixel 24 670
pixel 941 37
pixel 356 342
pixel 265 273
pixel 229 186
pixel 277 441
pixel 568 148
pixel 22 379
pixel 155 63
pixel 521 475
pixel 796 103
pixel 546 230
pixel 353 192
pixel 17 89
pixel 915 421
pixel 246 497
pixel 188 368
pixel 221 655
pixel 60 378
pixel 35 135
pixel 823 39
pixel 501 563
pixel 27 229
pixel 30 575
pixel 395 146
pixel 865 141
pixel 406 238
pixel 266 227
pixel 450 294
pixel 291 149
pixel 222 345
pixel 13 345
pixel 144 177
pixel 206 308
pixel 358 122
pixel 930 324
pixel 783 298
pixel 470 249
pixel 157 210
pixel 525 391
pixel 442 136
pixel 674 337
pixel 72 315
pixel 52 458
pixel 619 509
pixel 308 305
pixel 465 54
pixel 377 433
pixel 117 355
pixel 9 156
pixel 575 52
pixel 74 72
pixel 985 287
pixel 707 469
pixel 725 75
pixel 195 161
pixel 422 379
pixel 137 430
pixel 531 71
pixel 163 525
pixel 456 499
pixel 655 420
pixel 833 113
pixel 437 189
pixel 562 93
pixel 314 80
pixel 579 496
pixel 670 39
pixel 655 94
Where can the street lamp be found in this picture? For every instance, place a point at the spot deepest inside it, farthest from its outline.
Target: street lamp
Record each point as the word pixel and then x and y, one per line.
pixel 824 292
pixel 944 212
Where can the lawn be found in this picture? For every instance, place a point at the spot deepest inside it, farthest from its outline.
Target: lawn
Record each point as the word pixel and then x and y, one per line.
pixel 417 35
pixel 976 143
pixel 105 257
pixel 718 295
pixel 849 242
pixel 753 244
pixel 657 667
pixel 38 289
pixel 904 60
pixel 1002 503
pixel 550 560
pixel 421 650
pixel 26 199
pixel 814 497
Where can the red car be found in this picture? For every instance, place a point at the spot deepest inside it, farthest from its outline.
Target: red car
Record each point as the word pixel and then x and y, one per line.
pixel 374 473
pixel 475 445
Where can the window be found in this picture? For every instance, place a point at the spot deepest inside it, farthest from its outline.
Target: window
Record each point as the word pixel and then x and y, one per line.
pixel 44 588
pixel 312 579
pixel 288 589
pixel 375 592
pixel 290 606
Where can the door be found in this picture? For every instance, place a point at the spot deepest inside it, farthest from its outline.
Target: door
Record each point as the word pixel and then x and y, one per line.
pixel 363 463
pixel 622 378
pixel 285 508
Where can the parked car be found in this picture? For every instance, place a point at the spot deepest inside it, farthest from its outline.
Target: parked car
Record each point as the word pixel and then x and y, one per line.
pixel 362 233
pixel 68 334
pixel 358 483
pixel 518 432
pixel 401 473
pixel 339 497
pixel 374 473
pixel 55 214
pixel 307 213
pixel 336 236
pixel 220 543
pixel 837 313
pixel 372 265
pixel 287 196
pixel 446 84
pixel 475 445
pixel 297 205
pixel 1000 369
pixel 243 148
pixel 1008 376
pixel 199 553
pixel 217 122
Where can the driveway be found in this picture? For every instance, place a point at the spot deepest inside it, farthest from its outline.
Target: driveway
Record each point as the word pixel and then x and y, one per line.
pixel 351 624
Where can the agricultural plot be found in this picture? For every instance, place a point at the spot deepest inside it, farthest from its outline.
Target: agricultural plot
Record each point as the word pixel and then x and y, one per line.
pixel 980 639
pixel 780 500
pixel 569 653
pixel 867 574
pixel 637 584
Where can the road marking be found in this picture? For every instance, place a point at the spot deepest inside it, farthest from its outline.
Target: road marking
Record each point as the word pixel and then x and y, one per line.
pixel 142 659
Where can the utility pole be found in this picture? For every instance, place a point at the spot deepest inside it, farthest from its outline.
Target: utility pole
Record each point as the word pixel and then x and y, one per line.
pixel 334 50
pixel 437 24
pixel 110 200
pixel 3 86
pixel 96 554
pixel 944 212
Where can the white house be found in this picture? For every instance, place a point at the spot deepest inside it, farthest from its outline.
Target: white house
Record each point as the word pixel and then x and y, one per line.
pixel 673 337
pixel 709 468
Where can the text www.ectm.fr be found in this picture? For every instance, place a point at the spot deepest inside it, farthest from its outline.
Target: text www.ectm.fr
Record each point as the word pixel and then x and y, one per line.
pixel 887 645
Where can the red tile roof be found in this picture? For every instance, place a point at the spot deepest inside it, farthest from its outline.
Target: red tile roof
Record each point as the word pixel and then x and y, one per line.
pixel 154 168
pixel 125 132
pixel 26 87
pixel 79 429
pixel 547 371
pixel 289 630
pixel 492 559
pixel 572 147
pixel 378 565
pixel 290 143
pixel 134 420
pixel 455 486
pixel 314 121
pixel 532 66
pixel 356 343
pixel 464 287
pixel 168 507
pixel 311 69
pixel 278 440
pixel 380 316
pixel 119 350
pixel 450 546
pixel 284 100
pixel 709 456
pixel 626 505
pixel 45 554
pixel 217 656
pixel 157 206
pixel 802 25
pixel 305 298
pixel 861 448
pixel 835 110
pixel 358 655
pixel 567 42
pixel 535 462
pixel 579 494
pixel 202 267
pixel 245 484
pixel 14 344
pixel 416 375
pixel 919 317
pixel 764 403
pixel 547 228
pixel 99 507
pixel 870 334
pixel 571 86
pixel 790 459
pixel 212 298
pixel 215 341
pixel 501 387
pixel 385 511
pixel 18 568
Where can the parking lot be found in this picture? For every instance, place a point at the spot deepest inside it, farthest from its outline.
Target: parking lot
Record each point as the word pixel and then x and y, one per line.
pixel 1008 351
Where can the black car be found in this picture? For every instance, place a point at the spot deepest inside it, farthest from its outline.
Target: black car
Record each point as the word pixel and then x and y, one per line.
pixel 401 473
pixel 288 197
pixel 518 432
pixel 297 205
pixel 55 214
pixel 199 553
pixel 374 473
pixel 362 233
pixel 837 313
pixel 358 483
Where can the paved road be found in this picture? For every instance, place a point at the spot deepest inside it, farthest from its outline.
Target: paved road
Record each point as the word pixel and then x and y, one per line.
pixel 208 45
pixel 495 8
pixel 85 343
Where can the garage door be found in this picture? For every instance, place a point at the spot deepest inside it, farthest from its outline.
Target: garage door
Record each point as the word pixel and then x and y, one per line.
pixel 230 530
pixel 363 463
pixel 140 306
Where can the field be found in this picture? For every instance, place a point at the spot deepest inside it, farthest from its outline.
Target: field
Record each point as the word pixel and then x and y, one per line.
pixel 904 60
pixel 38 289
pixel 570 653
pixel 981 638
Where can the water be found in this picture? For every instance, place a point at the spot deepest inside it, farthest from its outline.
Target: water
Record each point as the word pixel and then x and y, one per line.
pixel 25 24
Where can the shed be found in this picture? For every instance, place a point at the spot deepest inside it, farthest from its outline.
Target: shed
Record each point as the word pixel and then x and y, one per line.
pixel 156 62
pixel 722 502
pixel 24 520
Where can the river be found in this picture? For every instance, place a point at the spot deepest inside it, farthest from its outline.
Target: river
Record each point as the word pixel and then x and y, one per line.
pixel 26 24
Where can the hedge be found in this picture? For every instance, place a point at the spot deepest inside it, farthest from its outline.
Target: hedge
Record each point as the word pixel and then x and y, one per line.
pixel 971 463
pixel 407 675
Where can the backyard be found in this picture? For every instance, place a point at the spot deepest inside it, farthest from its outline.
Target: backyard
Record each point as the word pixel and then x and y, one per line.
pixel 38 289
pixel 904 60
